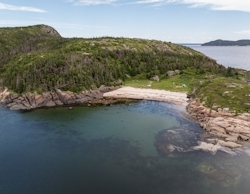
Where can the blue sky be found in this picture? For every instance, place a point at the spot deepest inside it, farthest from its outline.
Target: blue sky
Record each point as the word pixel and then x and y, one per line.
pixel 178 21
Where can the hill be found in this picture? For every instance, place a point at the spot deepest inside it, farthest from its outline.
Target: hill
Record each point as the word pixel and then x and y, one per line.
pixel 227 43
pixel 14 41
pixel 37 58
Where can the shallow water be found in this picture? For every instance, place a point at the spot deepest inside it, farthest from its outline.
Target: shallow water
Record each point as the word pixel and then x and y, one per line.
pixel 116 149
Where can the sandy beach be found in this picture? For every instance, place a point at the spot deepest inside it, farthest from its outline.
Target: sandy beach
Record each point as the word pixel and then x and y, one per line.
pixel 178 98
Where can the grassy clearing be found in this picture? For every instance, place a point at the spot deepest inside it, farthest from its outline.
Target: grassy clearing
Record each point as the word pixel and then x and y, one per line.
pixel 215 91
pixel 176 83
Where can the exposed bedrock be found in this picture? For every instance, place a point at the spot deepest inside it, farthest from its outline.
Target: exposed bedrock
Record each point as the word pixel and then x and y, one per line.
pixel 223 124
pixel 30 101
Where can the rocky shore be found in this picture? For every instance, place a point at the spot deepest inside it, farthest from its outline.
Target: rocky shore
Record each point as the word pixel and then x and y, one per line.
pixel 30 101
pixel 231 129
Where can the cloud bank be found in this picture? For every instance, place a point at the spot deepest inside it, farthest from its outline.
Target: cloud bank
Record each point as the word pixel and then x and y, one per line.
pixel 19 8
pixel 232 5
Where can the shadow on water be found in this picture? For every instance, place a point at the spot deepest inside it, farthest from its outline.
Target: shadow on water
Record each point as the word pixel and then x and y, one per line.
pixel 117 149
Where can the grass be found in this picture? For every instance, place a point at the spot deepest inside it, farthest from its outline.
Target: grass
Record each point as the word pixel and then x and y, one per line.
pixel 227 93
pixel 173 84
pixel 215 91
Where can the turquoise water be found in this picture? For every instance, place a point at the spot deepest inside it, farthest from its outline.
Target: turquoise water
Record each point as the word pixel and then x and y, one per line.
pixel 116 149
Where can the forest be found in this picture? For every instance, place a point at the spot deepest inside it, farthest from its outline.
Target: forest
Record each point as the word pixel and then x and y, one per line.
pixel 38 59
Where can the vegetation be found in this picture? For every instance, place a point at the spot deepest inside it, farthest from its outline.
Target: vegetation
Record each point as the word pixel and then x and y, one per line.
pixel 37 58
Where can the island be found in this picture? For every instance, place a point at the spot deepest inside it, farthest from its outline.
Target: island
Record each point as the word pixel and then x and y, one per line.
pixel 227 43
pixel 39 68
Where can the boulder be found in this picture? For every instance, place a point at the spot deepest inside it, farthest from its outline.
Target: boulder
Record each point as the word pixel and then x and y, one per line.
pixel 65 98
pixel 50 103
pixel 171 73
pixel 18 107
pixel 155 78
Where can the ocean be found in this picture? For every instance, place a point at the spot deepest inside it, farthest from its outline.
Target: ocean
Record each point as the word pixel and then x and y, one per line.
pixel 229 56
pixel 118 149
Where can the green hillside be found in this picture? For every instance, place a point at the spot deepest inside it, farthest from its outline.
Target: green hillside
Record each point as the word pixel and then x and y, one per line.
pixel 36 58
pixel 14 41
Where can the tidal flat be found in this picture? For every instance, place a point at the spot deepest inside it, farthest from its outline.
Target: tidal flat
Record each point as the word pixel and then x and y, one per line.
pixel 143 147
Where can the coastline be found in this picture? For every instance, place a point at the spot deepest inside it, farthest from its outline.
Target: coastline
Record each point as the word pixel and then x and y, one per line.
pixel 227 129
pixel 30 101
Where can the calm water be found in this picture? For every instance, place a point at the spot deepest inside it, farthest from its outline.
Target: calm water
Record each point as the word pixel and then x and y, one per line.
pixel 233 56
pixel 121 149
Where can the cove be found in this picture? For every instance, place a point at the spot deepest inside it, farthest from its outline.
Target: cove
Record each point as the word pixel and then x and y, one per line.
pixel 112 149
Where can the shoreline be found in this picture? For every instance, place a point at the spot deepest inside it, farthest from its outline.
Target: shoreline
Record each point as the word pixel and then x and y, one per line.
pixel 31 101
pixel 228 130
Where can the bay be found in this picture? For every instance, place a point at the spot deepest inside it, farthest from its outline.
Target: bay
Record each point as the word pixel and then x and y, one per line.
pixel 228 56
pixel 115 149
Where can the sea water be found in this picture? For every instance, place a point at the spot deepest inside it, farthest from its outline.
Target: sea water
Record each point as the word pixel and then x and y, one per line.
pixel 118 149
pixel 229 56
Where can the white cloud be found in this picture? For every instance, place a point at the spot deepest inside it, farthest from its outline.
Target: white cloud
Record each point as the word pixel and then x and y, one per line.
pixel 150 1
pixel 239 5
pixel 92 2
pixel 19 8
pixel 246 32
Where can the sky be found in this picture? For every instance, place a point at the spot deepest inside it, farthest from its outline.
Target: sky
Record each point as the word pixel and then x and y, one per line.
pixel 177 21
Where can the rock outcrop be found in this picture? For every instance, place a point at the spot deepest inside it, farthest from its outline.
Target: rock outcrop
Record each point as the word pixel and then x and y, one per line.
pixel 223 124
pixel 30 101
pixel 50 30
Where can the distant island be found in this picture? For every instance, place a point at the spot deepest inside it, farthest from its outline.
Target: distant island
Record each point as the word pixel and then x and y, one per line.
pixel 227 43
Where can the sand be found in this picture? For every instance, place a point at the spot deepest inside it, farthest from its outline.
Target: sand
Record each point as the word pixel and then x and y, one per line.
pixel 178 98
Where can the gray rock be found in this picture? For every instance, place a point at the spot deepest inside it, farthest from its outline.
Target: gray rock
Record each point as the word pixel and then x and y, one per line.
pixel 155 78
pixel 58 102
pixel 50 103
pixel 229 144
